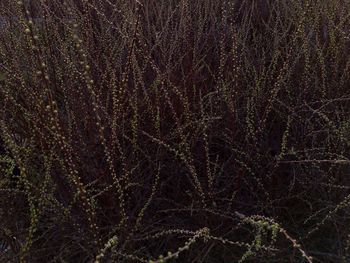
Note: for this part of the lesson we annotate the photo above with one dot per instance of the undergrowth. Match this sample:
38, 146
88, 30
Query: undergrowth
174, 131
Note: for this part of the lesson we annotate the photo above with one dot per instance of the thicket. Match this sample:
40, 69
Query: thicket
175, 131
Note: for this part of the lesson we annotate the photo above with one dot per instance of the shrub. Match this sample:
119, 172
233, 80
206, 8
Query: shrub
184, 131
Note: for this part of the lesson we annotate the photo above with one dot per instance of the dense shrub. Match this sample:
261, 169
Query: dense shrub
174, 130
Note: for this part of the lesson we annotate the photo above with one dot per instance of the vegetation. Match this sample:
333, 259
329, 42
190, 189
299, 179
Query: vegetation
175, 131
